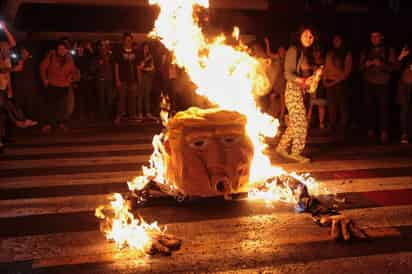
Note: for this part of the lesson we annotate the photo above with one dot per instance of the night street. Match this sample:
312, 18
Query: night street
50, 187
205, 136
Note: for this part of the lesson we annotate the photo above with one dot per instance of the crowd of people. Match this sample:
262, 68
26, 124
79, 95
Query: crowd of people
87, 80
384, 74
81, 81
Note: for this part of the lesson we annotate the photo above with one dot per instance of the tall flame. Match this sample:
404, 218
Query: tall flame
227, 75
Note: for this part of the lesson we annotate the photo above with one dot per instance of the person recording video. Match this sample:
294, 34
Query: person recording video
7, 107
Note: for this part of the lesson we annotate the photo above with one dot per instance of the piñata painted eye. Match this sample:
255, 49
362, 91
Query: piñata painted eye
229, 140
198, 143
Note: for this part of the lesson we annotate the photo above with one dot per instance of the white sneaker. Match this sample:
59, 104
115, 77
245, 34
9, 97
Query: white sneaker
294, 157
299, 158
282, 152
30, 123
404, 139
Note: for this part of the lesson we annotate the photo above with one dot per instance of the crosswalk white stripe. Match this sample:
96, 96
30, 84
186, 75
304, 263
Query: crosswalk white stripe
220, 234
66, 204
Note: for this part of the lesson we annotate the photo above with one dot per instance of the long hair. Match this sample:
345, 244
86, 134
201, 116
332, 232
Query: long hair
306, 51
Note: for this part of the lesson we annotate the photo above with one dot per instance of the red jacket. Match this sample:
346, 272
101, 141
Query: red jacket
58, 72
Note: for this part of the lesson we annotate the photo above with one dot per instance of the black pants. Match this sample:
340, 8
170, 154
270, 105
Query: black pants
377, 105
105, 98
9, 113
337, 98
3, 114
405, 101
86, 99
54, 105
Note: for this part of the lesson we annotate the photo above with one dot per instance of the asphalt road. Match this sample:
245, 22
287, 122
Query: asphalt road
50, 186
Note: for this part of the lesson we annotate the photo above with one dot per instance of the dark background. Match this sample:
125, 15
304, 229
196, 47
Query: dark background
282, 18
354, 19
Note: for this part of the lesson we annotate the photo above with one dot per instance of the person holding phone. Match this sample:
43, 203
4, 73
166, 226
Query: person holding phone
377, 63
6, 92
338, 67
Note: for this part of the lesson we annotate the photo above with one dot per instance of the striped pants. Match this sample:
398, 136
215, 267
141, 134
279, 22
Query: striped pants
297, 129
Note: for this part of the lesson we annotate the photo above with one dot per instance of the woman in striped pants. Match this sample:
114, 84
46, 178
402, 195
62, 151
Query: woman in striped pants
299, 69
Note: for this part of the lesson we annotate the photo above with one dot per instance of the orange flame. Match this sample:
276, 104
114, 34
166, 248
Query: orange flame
120, 225
229, 77
226, 75
236, 33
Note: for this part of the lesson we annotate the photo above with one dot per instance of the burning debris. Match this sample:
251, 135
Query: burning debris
125, 230
291, 189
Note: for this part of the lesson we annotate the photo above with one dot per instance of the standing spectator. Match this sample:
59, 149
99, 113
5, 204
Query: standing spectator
126, 78
85, 94
377, 62
299, 64
5, 85
337, 70
277, 96
103, 69
57, 71
146, 74
404, 96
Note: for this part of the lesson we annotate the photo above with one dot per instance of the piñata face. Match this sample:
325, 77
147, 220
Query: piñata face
208, 152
